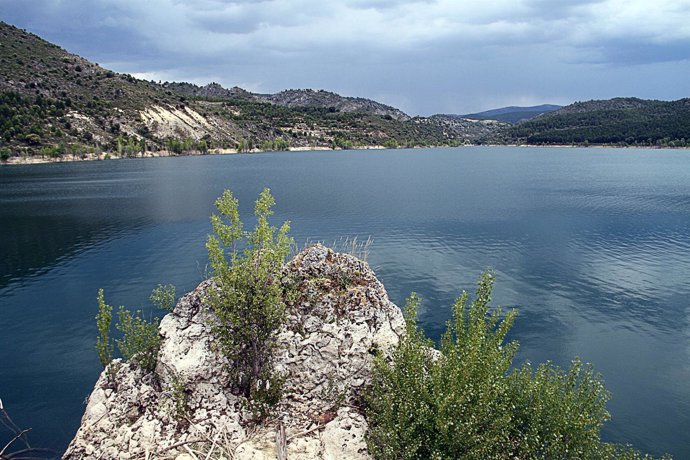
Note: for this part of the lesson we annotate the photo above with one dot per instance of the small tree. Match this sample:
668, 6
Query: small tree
249, 296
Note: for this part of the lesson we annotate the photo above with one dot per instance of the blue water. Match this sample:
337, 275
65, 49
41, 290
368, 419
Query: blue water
592, 246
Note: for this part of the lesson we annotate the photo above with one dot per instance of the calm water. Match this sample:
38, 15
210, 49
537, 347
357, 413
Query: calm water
592, 245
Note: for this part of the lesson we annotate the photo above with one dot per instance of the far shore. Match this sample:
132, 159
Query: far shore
104, 156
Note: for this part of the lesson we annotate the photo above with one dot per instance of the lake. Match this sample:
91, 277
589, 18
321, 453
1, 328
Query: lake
591, 245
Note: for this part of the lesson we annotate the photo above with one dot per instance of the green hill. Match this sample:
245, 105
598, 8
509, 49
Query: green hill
512, 114
620, 121
51, 98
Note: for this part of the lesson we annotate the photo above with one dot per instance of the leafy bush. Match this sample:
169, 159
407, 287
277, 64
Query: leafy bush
163, 296
104, 347
180, 398
140, 340
464, 402
274, 145
5, 154
249, 299
557, 414
32, 139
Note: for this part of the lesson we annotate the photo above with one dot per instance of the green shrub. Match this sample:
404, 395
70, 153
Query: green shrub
140, 339
104, 318
557, 414
249, 299
179, 398
401, 410
163, 296
32, 139
5, 154
391, 144
464, 402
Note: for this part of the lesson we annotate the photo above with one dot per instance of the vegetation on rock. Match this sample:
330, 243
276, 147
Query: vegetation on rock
163, 296
104, 346
249, 297
465, 402
140, 340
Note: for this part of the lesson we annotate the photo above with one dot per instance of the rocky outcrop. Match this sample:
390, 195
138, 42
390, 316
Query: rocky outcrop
211, 90
330, 100
455, 127
293, 98
182, 122
340, 318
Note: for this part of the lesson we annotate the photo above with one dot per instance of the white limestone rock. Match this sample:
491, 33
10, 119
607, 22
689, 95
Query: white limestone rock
341, 317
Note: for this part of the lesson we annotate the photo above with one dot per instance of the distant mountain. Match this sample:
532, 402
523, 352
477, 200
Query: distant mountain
54, 103
295, 98
329, 100
512, 114
619, 121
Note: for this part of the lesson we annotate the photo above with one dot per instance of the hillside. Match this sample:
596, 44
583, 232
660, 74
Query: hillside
294, 98
210, 91
474, 131
619, 121
54, 103
332, 101
512, 114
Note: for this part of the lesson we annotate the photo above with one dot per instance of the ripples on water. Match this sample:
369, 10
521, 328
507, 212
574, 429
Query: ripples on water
592, 246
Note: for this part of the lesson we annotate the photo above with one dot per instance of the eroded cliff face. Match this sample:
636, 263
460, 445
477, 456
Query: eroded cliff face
326, 348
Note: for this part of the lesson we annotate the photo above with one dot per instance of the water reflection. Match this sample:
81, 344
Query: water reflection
592, 246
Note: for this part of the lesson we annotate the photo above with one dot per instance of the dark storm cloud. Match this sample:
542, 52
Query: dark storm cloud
425, 56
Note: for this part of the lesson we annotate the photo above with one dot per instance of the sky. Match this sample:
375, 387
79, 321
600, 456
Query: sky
422, 56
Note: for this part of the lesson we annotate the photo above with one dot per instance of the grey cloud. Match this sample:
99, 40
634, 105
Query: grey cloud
626, 53
426, 56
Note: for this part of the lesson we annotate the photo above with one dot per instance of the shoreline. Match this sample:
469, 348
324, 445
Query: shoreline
105, 156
